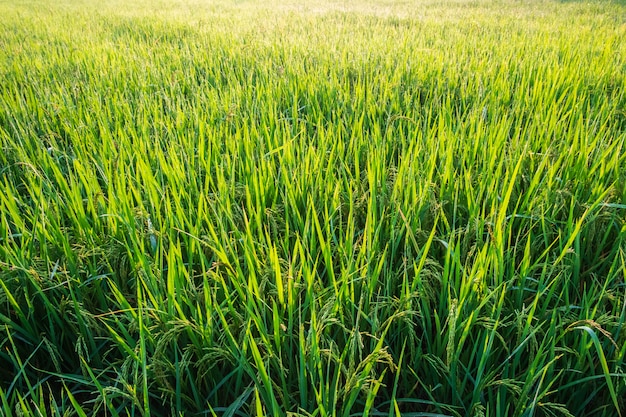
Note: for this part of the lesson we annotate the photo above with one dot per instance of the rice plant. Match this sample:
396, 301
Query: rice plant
370, 208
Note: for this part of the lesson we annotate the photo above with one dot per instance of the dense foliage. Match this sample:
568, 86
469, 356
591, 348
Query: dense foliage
339, 208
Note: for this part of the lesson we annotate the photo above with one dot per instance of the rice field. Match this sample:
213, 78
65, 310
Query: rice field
333, 208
